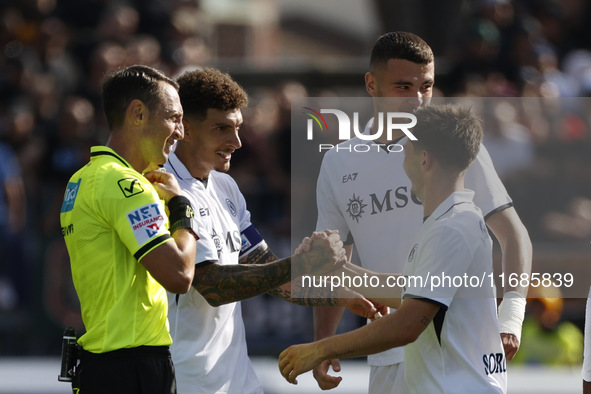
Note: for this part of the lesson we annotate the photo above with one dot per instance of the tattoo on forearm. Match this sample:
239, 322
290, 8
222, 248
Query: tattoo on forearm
260, 255
306, 296
303, 296
222, 284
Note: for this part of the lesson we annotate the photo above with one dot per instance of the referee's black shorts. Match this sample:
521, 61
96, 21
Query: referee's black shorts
141, 370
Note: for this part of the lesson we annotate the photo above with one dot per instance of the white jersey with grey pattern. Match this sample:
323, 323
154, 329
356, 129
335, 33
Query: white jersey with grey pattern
209, 347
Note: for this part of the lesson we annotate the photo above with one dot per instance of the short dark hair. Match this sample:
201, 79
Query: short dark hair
400, 45
121, 87
209, 88
451, 133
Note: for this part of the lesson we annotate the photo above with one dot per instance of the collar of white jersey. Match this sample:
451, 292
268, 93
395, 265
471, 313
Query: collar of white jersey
178, 167
452, 200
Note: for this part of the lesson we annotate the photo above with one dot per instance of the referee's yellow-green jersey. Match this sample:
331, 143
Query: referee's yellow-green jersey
111, 217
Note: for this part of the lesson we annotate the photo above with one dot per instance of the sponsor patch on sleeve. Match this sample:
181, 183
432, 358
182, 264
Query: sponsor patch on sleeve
130, 187
147, 222
250, 239
70, 196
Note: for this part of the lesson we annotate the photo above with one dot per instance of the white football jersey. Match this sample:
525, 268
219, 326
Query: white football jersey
450, 264
209, 346
365, 194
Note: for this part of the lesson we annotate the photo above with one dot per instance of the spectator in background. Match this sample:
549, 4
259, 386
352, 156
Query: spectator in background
509, 142
12, 223
546, 339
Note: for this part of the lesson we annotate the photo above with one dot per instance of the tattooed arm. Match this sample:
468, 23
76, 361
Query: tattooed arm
320, 296
396, 329
222, 284
260, 271
293, 291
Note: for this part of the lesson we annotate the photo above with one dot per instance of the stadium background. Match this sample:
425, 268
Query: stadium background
54, 53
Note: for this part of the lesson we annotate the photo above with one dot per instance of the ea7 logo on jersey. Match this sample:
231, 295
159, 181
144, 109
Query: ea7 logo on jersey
349, 177
147, 222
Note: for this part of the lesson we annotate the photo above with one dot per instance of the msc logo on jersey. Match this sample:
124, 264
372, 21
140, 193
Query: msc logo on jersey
217, 241
130, 187
388, 201
232, 241
355, 208
70, 196
147, 222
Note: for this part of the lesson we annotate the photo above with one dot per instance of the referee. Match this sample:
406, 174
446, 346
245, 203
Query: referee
125, 251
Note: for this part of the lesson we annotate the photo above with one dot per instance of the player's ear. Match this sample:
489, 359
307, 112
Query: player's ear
426, 159
187, 127
370, 84
137, 111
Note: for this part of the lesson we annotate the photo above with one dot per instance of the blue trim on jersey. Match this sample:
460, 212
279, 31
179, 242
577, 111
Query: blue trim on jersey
250, 238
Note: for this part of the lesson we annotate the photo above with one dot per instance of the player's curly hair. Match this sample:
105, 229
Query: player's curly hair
200, 90
400, 45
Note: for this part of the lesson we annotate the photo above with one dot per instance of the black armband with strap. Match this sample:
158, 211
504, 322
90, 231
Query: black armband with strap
181, 214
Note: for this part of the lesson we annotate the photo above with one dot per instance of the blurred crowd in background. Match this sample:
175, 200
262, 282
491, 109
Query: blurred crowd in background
55, 53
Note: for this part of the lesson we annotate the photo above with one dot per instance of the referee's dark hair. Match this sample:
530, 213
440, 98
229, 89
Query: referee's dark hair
123, 86
451, 133
209, 88
400, 45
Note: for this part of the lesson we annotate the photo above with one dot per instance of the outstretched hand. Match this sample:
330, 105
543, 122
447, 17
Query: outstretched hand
298, 359
356, 303
324, 380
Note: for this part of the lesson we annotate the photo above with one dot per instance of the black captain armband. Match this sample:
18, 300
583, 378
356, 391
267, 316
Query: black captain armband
181, 214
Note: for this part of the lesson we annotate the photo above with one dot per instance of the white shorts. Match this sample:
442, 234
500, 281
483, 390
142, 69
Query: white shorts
387, 380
